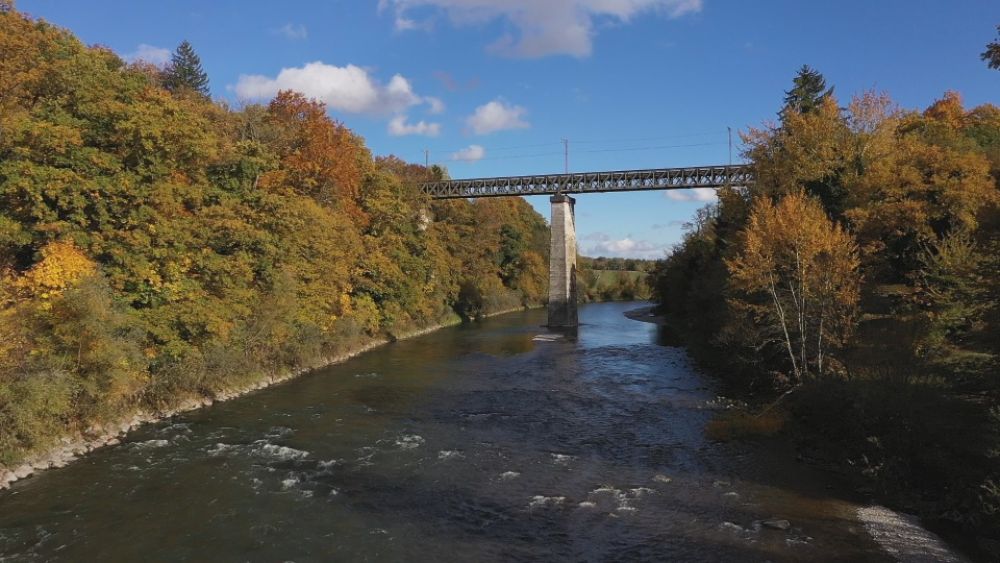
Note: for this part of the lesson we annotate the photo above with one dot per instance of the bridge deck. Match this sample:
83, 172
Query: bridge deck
593, 182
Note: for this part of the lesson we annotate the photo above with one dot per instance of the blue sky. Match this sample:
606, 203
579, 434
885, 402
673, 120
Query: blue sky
490, 87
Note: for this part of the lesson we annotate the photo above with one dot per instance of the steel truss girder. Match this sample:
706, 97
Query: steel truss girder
594, 182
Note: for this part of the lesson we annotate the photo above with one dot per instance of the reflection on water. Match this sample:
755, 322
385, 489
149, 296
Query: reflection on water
476, 443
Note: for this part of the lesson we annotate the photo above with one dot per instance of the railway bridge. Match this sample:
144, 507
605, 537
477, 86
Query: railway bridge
562, 307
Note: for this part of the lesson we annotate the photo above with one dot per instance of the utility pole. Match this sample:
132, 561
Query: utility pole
566, 155
427, 158
730, 130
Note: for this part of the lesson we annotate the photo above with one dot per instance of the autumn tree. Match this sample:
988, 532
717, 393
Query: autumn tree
184, 72
806, 268
156, 246
319, 158
924, 183
992, 53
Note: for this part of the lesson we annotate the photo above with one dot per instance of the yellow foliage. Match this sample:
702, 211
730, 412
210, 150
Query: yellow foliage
806, 268
10, 333
62, 265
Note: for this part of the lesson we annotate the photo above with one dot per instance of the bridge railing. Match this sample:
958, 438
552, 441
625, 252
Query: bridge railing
594, 182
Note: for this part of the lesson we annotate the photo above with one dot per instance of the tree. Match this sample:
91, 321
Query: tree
992, 53
798, 274
807, 94
184, 71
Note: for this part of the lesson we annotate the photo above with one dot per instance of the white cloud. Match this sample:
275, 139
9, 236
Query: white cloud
399, 127
497, 116
544, 27
471, 153
350, 88
434, 105
626, 248
293, 31
149, 54
405, 24
693, 194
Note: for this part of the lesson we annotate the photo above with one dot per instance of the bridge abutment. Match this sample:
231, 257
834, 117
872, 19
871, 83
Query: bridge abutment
562, 264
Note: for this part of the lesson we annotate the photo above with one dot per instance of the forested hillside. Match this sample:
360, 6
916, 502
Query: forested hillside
862, 274
156, 245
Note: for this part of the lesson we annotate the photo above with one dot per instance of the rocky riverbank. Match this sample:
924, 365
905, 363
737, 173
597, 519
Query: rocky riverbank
71, 447
901, 535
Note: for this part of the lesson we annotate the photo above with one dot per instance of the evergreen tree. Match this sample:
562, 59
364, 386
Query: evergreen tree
808, 92
184, 71
992, 53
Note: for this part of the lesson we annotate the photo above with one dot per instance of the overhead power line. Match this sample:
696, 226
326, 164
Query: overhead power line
658, 147
588, 142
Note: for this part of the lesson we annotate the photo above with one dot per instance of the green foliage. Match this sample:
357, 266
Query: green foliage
612, 285
617, 263
807, 94
992, 53
184, 72
157, 247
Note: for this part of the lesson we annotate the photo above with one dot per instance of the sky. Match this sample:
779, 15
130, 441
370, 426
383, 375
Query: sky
492, 87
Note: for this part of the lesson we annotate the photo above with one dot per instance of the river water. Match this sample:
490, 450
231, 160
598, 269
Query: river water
486, 442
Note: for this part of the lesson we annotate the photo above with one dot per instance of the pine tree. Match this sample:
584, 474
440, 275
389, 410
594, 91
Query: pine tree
992, 53
184, 71
807, 94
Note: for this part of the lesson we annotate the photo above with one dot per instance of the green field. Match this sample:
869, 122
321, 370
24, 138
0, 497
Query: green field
612, 285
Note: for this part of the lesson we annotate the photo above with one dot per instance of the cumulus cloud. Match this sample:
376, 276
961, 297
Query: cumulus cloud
399, 127
293, 31
349, 89
497, 116
149, 54
543, 27
471, 153
626, 248
693, 194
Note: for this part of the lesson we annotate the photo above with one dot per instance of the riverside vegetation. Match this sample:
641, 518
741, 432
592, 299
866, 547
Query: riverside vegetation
614, 279
157, 247
860, 278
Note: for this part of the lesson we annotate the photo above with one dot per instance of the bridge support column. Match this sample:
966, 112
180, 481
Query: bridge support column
562, 264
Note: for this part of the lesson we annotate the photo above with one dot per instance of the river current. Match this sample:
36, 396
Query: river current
484, 442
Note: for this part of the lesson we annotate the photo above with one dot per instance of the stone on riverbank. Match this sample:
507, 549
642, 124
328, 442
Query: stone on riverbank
777, 524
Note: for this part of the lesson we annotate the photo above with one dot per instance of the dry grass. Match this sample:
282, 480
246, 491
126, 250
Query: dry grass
733, 425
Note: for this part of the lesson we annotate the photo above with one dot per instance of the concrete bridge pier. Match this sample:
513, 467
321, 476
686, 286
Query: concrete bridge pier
562, 264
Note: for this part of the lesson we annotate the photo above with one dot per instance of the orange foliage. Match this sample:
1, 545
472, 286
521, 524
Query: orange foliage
320, 158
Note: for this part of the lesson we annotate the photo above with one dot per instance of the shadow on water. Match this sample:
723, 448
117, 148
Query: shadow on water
490, 442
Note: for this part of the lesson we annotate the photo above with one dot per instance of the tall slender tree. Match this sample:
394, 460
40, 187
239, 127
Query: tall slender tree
807, 93
992, 53
797, 275
184, 71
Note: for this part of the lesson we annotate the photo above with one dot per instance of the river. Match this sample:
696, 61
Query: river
483, 442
